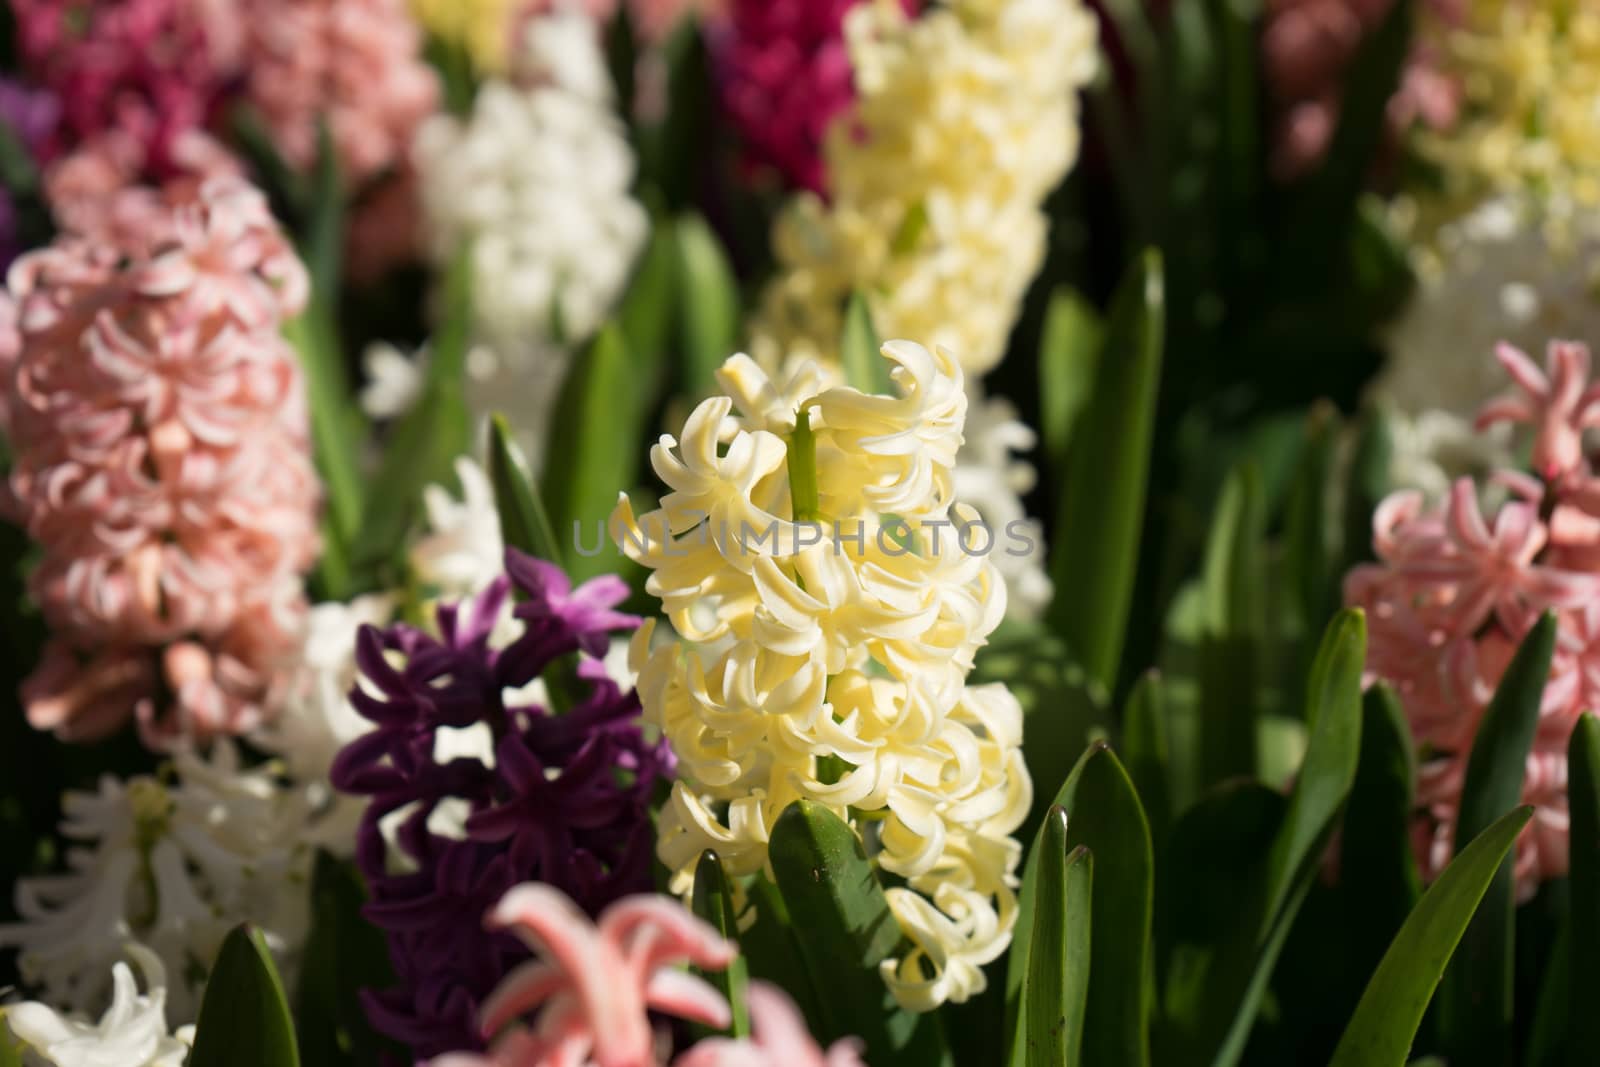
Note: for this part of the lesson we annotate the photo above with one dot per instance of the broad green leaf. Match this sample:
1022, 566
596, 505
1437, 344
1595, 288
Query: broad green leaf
524, 523
1146, 749
1101, 512
646, 315
1552, 1040
599, 452
709, 309
1333, 748
673, 149
244, 1016
1583, 799
1381, 1031
1309, 561
344, 954
1069, 354
1366, 486
1378, 879
1104, 814
1055, 989
425, 444
864, 366
771, 947
1234, 583
1477, 1003
845, 930
712, 902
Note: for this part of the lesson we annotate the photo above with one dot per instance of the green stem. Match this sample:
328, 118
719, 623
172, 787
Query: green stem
803, 496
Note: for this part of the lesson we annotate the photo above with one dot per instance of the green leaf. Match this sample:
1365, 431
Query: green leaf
599, 449
1146, 748
1477, 1005
1230, 969
1366, 486
712, 902
771, 946
344, 954
1103, 814
1234, 583
1069, 355
424, 446
1055, 990
524, 523
1583, 798
709, 321
845, 930
10, 1047
1308, 556
646, 315
1101, 512
244, 1016
1385, 1022
864, 366
1378, 879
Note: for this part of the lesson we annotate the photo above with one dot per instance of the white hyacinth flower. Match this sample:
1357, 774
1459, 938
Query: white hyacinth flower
991, 478
132, 1032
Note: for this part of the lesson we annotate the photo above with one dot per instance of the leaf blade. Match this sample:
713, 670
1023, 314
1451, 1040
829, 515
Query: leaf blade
1055, 991
244, 1015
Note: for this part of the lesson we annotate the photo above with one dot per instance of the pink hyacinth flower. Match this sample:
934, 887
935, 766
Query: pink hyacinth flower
1558, 402
356, 64
162, 462
594, 983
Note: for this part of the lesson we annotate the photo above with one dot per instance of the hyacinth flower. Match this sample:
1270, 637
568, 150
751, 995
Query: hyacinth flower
355, 64
827, 612
162, 463
1307, 49
1454, 592
965, 119
592, 984
476, 783
784, 74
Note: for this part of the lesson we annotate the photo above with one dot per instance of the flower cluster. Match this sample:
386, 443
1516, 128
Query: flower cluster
479, 779
784, 76
149, 71
173, 862
132, 1032
537, 180
827, 629
480, 28
161, 462
1308, 46
966, 118
594, 982
1453, 594
354, 64
1529, 73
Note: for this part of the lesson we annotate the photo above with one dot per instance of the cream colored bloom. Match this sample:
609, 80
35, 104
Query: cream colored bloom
825, 637
991, 478
173, 863
1529, 71
132, 1032
966, 119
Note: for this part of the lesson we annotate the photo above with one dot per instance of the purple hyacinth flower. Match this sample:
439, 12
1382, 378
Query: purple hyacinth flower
558, 798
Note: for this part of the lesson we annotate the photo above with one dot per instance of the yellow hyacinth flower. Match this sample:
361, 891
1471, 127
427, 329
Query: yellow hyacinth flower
828, 596
965, 119
481, 28
1529, 75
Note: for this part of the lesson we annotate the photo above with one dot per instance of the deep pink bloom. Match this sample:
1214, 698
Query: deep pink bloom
1452, 595
785, 75
1308, 47
161, 460
152, 70
594, 983
356, 63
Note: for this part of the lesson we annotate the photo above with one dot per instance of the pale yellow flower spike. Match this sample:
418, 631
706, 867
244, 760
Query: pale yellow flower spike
966, 118
827, 659
482, 28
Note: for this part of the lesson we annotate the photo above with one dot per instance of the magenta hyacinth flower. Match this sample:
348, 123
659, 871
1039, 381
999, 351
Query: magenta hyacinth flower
785, 75
161, 459
151, 70
553, 795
